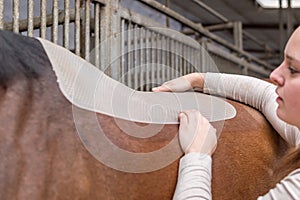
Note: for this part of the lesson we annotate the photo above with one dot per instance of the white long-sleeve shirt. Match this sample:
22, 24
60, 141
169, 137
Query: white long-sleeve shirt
194, 175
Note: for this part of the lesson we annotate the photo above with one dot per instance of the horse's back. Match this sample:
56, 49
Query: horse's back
43, 157
244, 160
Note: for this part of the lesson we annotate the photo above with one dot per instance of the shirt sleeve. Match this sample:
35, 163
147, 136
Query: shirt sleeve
194, 177
254, 92
287, 189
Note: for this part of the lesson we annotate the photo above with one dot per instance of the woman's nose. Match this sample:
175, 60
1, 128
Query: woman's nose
277, 76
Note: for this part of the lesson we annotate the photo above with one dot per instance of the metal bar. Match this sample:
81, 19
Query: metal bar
174, 59
105, 21
175, 65
190, 63
147, 59
37, 24
163, 58
199, 28
289, 18
185, 60
229, 25
137, 18
255, 40
113, 29
77, 27
168, 41
30, 18
167, 18
239, 61
1, 14
171, 64
43, 19
30, 11
245, 70
189, 60
142, 50
180, 49
123, 73
150, 24
97, 34
152, 56
178, 55
87, 31
135, 48
203, 57
16, 16
196, 58
158, 59
212, 11
55, 22
238, 34
129, 54
195, 66
281, 30
66, 24
217, 27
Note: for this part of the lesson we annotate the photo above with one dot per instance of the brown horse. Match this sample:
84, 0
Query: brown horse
42, 156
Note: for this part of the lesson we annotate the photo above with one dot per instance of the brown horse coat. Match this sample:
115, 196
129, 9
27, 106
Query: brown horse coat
42, 156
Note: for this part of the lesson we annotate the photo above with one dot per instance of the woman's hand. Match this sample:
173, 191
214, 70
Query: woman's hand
181, 84
196, 134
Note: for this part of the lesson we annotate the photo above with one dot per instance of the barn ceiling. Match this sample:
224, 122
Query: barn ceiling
261, 23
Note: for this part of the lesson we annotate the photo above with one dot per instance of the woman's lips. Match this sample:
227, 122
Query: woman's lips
279, 99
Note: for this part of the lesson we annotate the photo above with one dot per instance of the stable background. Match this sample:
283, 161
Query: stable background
245, 37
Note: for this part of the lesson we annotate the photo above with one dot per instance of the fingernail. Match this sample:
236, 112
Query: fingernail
181, 115
154, 89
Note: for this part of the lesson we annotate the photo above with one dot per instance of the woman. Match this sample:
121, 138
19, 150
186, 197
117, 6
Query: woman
280, 105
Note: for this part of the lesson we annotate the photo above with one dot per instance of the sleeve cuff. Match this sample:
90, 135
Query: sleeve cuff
199, 159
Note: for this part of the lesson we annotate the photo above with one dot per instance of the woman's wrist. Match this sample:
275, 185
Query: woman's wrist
192, 150
197, 80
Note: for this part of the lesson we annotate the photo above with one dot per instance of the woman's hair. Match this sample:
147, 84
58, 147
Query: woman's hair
289, 162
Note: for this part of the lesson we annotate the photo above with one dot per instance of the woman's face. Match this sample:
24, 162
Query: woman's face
287, 78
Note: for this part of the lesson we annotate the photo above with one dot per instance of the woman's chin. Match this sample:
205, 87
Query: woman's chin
280, 115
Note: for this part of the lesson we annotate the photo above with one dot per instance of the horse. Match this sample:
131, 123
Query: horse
43, 157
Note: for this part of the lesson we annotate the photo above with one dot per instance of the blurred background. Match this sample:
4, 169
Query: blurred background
144, 42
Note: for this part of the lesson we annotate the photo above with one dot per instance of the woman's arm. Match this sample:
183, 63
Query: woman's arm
194, 177
287, 189
254, 92
198, 141
249, 90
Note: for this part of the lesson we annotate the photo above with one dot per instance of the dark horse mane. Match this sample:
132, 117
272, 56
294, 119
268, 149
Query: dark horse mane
22, 58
